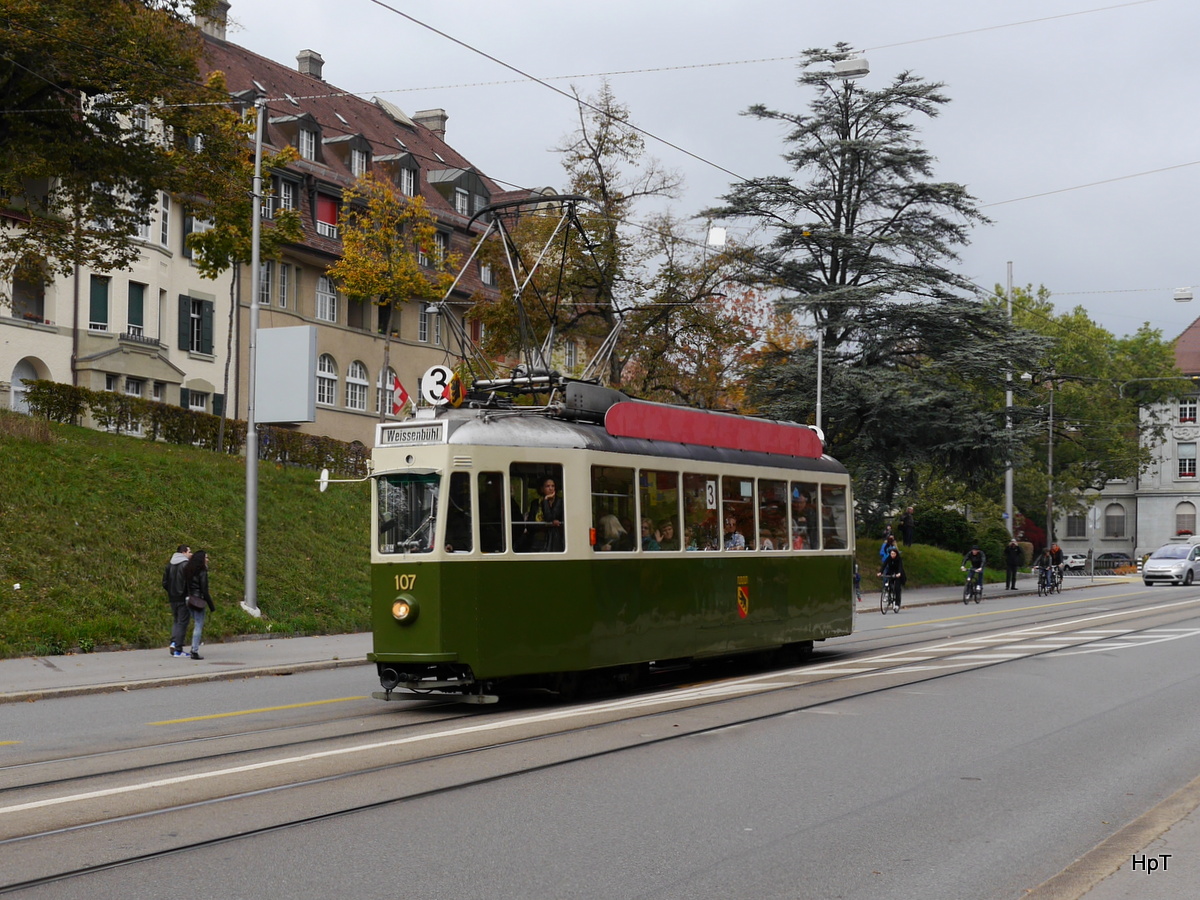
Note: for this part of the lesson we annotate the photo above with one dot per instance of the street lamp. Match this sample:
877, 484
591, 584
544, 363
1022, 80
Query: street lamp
1189, 378
1049, 457
849, 69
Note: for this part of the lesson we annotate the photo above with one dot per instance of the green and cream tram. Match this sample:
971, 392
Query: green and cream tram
528, 547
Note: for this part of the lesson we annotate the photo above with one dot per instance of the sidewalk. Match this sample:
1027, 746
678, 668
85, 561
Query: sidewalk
45, 677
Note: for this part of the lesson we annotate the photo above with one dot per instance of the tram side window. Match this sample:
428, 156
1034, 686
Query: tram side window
659, 495
458, 514
612, 508
833, 516
737, 506
700, 526
806, 535
491, 512
538, 507
407, 504
772, 515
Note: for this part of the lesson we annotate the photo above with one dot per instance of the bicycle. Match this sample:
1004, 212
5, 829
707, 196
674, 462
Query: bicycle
1058, 578
973, 589
887, 596
1046, 582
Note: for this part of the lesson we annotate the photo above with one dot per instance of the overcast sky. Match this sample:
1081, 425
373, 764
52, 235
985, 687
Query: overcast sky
1048, 96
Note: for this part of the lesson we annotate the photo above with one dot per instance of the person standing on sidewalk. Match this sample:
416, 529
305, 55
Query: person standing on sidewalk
176, 587
196, 573
1013, 557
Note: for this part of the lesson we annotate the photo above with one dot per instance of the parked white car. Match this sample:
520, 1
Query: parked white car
1075, 562
1173, 564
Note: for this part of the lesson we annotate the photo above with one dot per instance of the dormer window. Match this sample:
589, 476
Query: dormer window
402, 169
463, 189
302, 131
358, 163
307, 144
353, 150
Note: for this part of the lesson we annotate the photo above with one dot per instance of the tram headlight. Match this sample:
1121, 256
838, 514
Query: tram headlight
404, 609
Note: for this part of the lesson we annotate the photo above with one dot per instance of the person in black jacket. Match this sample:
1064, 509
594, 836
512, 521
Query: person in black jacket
548, 510
974, 561
196, 574
1013, 557
893, 568
176, 587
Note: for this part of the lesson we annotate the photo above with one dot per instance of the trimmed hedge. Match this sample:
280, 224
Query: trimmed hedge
121, 414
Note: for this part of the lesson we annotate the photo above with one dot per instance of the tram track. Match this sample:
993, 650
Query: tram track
549, 739
172, 746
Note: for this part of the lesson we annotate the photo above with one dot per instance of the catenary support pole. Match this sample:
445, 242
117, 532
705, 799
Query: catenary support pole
250, 600
1008, 402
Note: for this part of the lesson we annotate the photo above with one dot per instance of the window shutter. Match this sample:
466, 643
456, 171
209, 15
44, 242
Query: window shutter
185, 323
184, 397
327, 210
137, 297
206, 326
99, 298
218, 402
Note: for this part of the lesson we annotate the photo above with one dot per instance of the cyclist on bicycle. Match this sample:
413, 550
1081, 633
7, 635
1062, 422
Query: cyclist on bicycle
1045, 567
975, 561
893, 571
1057, 560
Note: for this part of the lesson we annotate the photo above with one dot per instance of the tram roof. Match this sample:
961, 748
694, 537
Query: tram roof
541, 429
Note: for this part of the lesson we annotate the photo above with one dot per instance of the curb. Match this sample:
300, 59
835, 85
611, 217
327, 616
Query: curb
198, 678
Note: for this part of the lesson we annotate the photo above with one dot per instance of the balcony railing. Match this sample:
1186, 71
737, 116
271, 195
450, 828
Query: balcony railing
132, 338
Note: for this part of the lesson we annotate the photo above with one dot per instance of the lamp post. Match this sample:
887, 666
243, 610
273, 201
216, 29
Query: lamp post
1193, 379
849, 69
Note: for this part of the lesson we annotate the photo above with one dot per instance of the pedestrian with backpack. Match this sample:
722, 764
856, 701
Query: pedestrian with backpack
195, 573
175, 585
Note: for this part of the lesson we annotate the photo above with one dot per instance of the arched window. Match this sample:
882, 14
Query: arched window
326, 380
22, 372
356, 386
1114, 521
1185, 518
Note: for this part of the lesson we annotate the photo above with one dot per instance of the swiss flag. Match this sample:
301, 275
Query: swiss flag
399, 396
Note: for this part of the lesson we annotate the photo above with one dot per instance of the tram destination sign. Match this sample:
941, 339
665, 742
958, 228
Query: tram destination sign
409, 435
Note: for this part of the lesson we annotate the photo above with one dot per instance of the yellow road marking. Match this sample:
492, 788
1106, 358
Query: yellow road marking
8, 743
250, 712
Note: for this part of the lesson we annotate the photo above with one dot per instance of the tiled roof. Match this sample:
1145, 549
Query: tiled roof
1187, 349
291, 94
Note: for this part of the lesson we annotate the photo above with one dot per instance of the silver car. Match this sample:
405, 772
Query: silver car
1173, 564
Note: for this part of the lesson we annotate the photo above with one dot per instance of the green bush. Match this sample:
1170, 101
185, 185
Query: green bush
67, 404
992, 540
945, 528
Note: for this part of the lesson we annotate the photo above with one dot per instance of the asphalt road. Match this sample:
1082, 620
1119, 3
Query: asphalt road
950, 751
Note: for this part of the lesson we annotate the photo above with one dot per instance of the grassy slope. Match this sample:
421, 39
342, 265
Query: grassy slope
925, 566
88, 521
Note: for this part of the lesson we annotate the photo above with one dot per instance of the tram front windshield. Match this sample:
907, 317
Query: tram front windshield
407, 504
